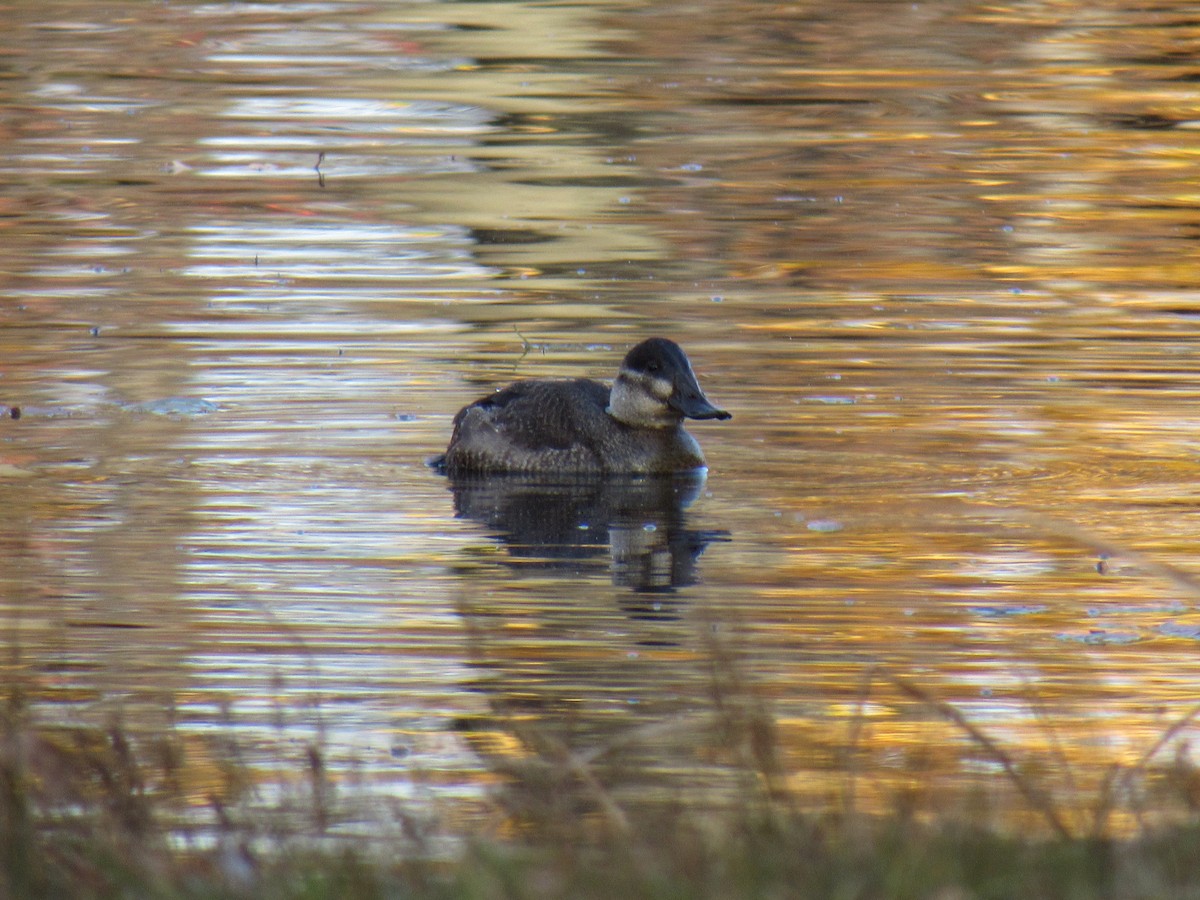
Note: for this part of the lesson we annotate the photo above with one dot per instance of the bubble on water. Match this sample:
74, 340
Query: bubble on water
825, 525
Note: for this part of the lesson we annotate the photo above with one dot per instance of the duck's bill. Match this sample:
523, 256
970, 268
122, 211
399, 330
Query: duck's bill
698, 407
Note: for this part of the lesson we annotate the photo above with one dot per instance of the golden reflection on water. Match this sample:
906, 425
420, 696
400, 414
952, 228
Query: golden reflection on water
938, 259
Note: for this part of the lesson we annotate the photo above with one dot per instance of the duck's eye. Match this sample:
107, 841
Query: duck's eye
653, 366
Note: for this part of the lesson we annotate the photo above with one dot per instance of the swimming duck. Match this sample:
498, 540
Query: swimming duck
580, 426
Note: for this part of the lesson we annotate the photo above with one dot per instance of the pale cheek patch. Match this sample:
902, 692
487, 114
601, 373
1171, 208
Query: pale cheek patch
659, 388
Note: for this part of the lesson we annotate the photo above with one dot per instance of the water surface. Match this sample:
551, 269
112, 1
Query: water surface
938, 258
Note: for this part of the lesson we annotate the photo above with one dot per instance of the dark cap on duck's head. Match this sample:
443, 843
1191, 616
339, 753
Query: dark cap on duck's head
656, 387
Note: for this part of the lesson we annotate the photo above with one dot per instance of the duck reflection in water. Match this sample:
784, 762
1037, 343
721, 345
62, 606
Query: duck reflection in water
551, 523
564, 468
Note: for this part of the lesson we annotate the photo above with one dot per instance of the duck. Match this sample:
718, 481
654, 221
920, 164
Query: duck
584, 427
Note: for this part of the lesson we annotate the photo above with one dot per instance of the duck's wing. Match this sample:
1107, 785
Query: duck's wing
532, 426
548, 415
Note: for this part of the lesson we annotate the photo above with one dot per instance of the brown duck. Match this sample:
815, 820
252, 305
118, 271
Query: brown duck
580, 426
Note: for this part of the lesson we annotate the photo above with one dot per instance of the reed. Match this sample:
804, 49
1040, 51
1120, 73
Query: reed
94, 814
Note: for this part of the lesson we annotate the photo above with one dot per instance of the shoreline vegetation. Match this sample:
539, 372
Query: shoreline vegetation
105, 813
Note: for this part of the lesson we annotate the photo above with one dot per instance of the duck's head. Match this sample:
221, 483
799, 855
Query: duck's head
656, 388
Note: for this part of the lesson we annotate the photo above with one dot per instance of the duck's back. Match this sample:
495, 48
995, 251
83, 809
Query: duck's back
559, 427
531, 426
